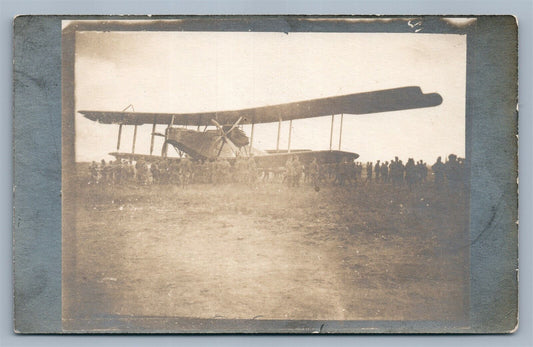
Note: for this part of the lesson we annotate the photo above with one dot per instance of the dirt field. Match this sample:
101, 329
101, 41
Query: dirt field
269, 252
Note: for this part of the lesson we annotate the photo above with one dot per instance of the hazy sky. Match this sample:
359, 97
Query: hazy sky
206, 71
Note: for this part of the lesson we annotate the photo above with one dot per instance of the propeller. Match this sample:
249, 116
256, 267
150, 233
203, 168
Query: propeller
224, 135
164, 149
165, 144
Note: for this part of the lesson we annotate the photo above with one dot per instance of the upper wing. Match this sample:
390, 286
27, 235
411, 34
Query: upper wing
360, 103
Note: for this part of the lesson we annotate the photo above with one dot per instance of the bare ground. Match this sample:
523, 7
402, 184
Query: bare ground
269, 252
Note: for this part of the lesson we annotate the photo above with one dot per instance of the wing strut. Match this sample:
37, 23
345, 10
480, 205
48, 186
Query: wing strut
290, 130
331, 132
134, 139
251, 138
119, 135
340, 131
152, 139
164, 149
279, 129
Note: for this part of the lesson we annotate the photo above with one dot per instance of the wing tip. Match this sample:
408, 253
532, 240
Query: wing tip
429, 99
435, 99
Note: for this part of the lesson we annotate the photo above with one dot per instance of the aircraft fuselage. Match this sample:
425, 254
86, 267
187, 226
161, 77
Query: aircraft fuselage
206, 145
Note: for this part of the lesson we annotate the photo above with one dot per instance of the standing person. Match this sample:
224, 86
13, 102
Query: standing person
289, 171
154, 168
393, 171
215, 171
210, 171
377, 171
307, 174
462, 172
108, 173
142, 171
419, 172
453, 172
240, 169
359, 170
424, 171
184, 170
438, 172
123, 172
146, 173
93, 170
252, 170
225, 168
115, 171
103, 172
385, 172
314, 172
355, 172
396, 172
410, 173
369, 171
138, 171
401, 172
339, 173
173, 172
162, 167
298, 171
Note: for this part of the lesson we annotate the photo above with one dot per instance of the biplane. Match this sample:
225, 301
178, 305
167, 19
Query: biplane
222, 135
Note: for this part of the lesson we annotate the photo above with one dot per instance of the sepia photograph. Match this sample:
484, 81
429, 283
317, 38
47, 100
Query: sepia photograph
265, 180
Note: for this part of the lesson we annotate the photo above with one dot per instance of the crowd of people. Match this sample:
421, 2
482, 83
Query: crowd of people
397, 173
182, 172
294, 173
